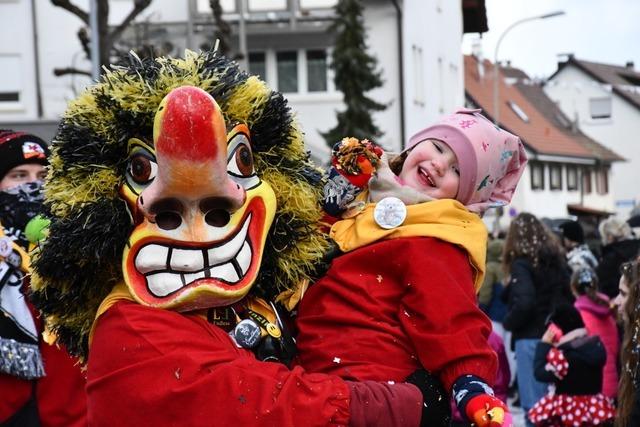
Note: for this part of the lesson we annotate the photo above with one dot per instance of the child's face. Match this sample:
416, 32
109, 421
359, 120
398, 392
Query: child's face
621, 299
432, 168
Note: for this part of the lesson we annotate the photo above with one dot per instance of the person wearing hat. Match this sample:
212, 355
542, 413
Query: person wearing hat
403, 294
40, 384
619, 245
579, 256
572, 360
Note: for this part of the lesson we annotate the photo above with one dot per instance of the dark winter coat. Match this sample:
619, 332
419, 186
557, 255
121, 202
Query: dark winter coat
586, 357
613, 255
532, 294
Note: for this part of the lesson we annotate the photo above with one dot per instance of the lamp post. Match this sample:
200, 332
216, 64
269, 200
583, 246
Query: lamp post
496, 64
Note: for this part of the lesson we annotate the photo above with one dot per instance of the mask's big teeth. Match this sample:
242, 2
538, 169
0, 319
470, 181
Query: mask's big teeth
188, 278
168, 269
151, 258
186, 260
244, 258
225, 272
162, 284
220, 254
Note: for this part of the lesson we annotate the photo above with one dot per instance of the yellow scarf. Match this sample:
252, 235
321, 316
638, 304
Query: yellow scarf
444, 219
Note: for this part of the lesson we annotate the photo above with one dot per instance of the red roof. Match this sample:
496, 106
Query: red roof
538, 133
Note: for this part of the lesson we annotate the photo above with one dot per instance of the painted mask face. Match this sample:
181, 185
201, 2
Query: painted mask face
200, 212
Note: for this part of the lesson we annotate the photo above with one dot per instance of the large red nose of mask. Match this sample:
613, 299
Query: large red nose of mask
190, 140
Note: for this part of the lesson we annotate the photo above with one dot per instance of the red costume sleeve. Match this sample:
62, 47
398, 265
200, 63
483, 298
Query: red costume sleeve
156, 367
440, 314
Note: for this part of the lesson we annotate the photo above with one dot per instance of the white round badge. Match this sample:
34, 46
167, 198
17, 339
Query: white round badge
6, 246
390, 212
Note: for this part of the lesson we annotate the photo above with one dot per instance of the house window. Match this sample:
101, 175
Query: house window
203, 6
519, 111
299, 71
600, 108
602, 181
317, 70
267, 5
537, 176
312, 4
555, 176
257, 64
11, 81
586, 181
572, 177
287, 65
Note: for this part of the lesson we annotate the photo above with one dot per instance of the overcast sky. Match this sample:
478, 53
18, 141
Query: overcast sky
606, 31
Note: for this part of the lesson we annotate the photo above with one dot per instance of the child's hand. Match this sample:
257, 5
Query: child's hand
353, 163
548, 336
552, 334
475, 400
485, 410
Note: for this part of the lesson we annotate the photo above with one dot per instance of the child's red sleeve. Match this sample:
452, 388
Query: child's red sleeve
440, 314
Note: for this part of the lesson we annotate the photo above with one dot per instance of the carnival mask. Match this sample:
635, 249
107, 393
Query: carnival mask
201, 213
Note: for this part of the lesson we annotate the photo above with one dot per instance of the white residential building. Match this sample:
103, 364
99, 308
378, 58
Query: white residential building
604, 101
417, 44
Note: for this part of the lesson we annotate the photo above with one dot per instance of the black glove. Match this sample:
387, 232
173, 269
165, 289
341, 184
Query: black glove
436, 410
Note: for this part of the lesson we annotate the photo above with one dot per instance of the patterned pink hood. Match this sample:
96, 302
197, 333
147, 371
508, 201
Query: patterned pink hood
491, 159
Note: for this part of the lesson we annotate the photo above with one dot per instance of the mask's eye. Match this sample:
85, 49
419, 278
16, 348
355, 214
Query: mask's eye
142, 169
240, 162
243, 161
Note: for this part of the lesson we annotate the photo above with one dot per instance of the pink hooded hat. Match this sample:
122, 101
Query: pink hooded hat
491, 160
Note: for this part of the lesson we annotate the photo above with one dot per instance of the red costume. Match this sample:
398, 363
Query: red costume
379, 314
182, 204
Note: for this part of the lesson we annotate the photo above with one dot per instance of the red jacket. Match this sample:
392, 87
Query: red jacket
388, 308
157, 367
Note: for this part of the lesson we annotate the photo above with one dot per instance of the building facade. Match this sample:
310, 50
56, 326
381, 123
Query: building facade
417, 44
604, 102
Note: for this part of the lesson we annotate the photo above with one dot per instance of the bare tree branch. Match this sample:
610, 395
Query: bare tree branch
69, 70
138, 7
83, 36
67, 5
223, 29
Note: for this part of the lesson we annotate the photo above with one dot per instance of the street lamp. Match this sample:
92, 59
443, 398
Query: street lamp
496, 64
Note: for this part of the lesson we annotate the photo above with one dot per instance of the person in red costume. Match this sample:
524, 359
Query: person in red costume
40, 384
182, 204
403, 295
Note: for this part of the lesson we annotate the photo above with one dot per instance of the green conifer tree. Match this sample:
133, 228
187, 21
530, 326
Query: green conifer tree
355, 74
